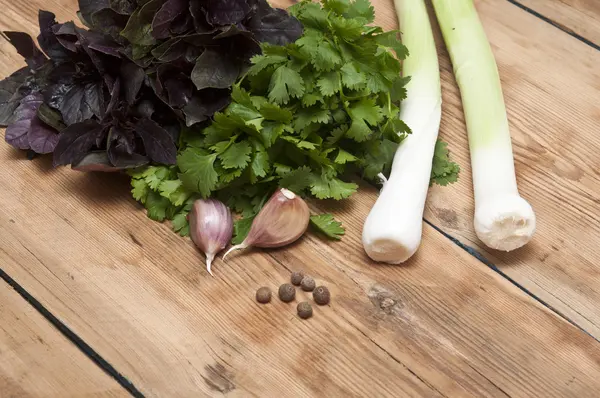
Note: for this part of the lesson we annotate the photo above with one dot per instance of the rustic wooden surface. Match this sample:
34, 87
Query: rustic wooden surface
138, 294
578, 16
35, 359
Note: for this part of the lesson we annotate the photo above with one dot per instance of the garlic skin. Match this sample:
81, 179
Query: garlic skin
211, 227
281, 221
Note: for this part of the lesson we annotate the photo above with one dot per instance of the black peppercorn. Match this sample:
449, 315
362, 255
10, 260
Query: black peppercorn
263, 295
308, 284
297, 278
321, 295
287, 292
305, 310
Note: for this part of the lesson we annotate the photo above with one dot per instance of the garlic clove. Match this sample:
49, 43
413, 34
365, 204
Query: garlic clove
281, 221
211, 227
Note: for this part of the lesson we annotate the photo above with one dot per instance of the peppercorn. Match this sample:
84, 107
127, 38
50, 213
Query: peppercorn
287, 292
263, 295
297, 277
308, 284
321, 295
305, 310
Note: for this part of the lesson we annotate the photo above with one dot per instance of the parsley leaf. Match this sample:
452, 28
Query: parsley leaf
241, 228
330, 83
443, 171
326, 224
351, 77
237, 156
363, 112
157, 206
285, 82
197, 171
326, 188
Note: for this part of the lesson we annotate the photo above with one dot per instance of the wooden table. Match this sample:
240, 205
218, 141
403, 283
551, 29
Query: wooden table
97, 300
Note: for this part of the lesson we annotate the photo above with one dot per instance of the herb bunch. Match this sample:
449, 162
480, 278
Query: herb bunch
306, 116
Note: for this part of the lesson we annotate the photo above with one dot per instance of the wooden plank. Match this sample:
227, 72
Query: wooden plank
551, 84
36, 360
138, 294
578, 16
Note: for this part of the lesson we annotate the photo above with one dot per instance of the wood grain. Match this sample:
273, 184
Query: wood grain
442, 325
579, 16
551, 85
37, 361
139, 295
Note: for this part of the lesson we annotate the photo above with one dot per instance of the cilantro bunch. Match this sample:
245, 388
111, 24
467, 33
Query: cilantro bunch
307, 116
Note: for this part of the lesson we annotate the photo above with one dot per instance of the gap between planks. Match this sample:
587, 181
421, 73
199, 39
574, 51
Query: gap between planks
555, 24
85, 348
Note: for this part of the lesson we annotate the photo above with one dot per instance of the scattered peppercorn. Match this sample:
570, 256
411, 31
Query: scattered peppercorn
305, 310
321, 295
308, 284
263, 295
297, 277
287, 292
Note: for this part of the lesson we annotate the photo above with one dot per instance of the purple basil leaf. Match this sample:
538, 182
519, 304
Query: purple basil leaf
17, 132
182, 24
199, 17
159, 144
50, 117
67, 28
215, 70
75, 141
110, 23
145, 109
204, 104
107, 49
124, 137
42, 138
114, 96
158, 88
83, 36
47, 38
89, 7
202, 39
66, 43
62, 74
125, 7
170, 10
78, 103
132, 77
127, 51
99, 42
11, 93
226, 12
233, 30
179, 89
121, 151
274, 25
192, 53
139, 26
27, 49
93, 161
123, 160
170, 50
94, 99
